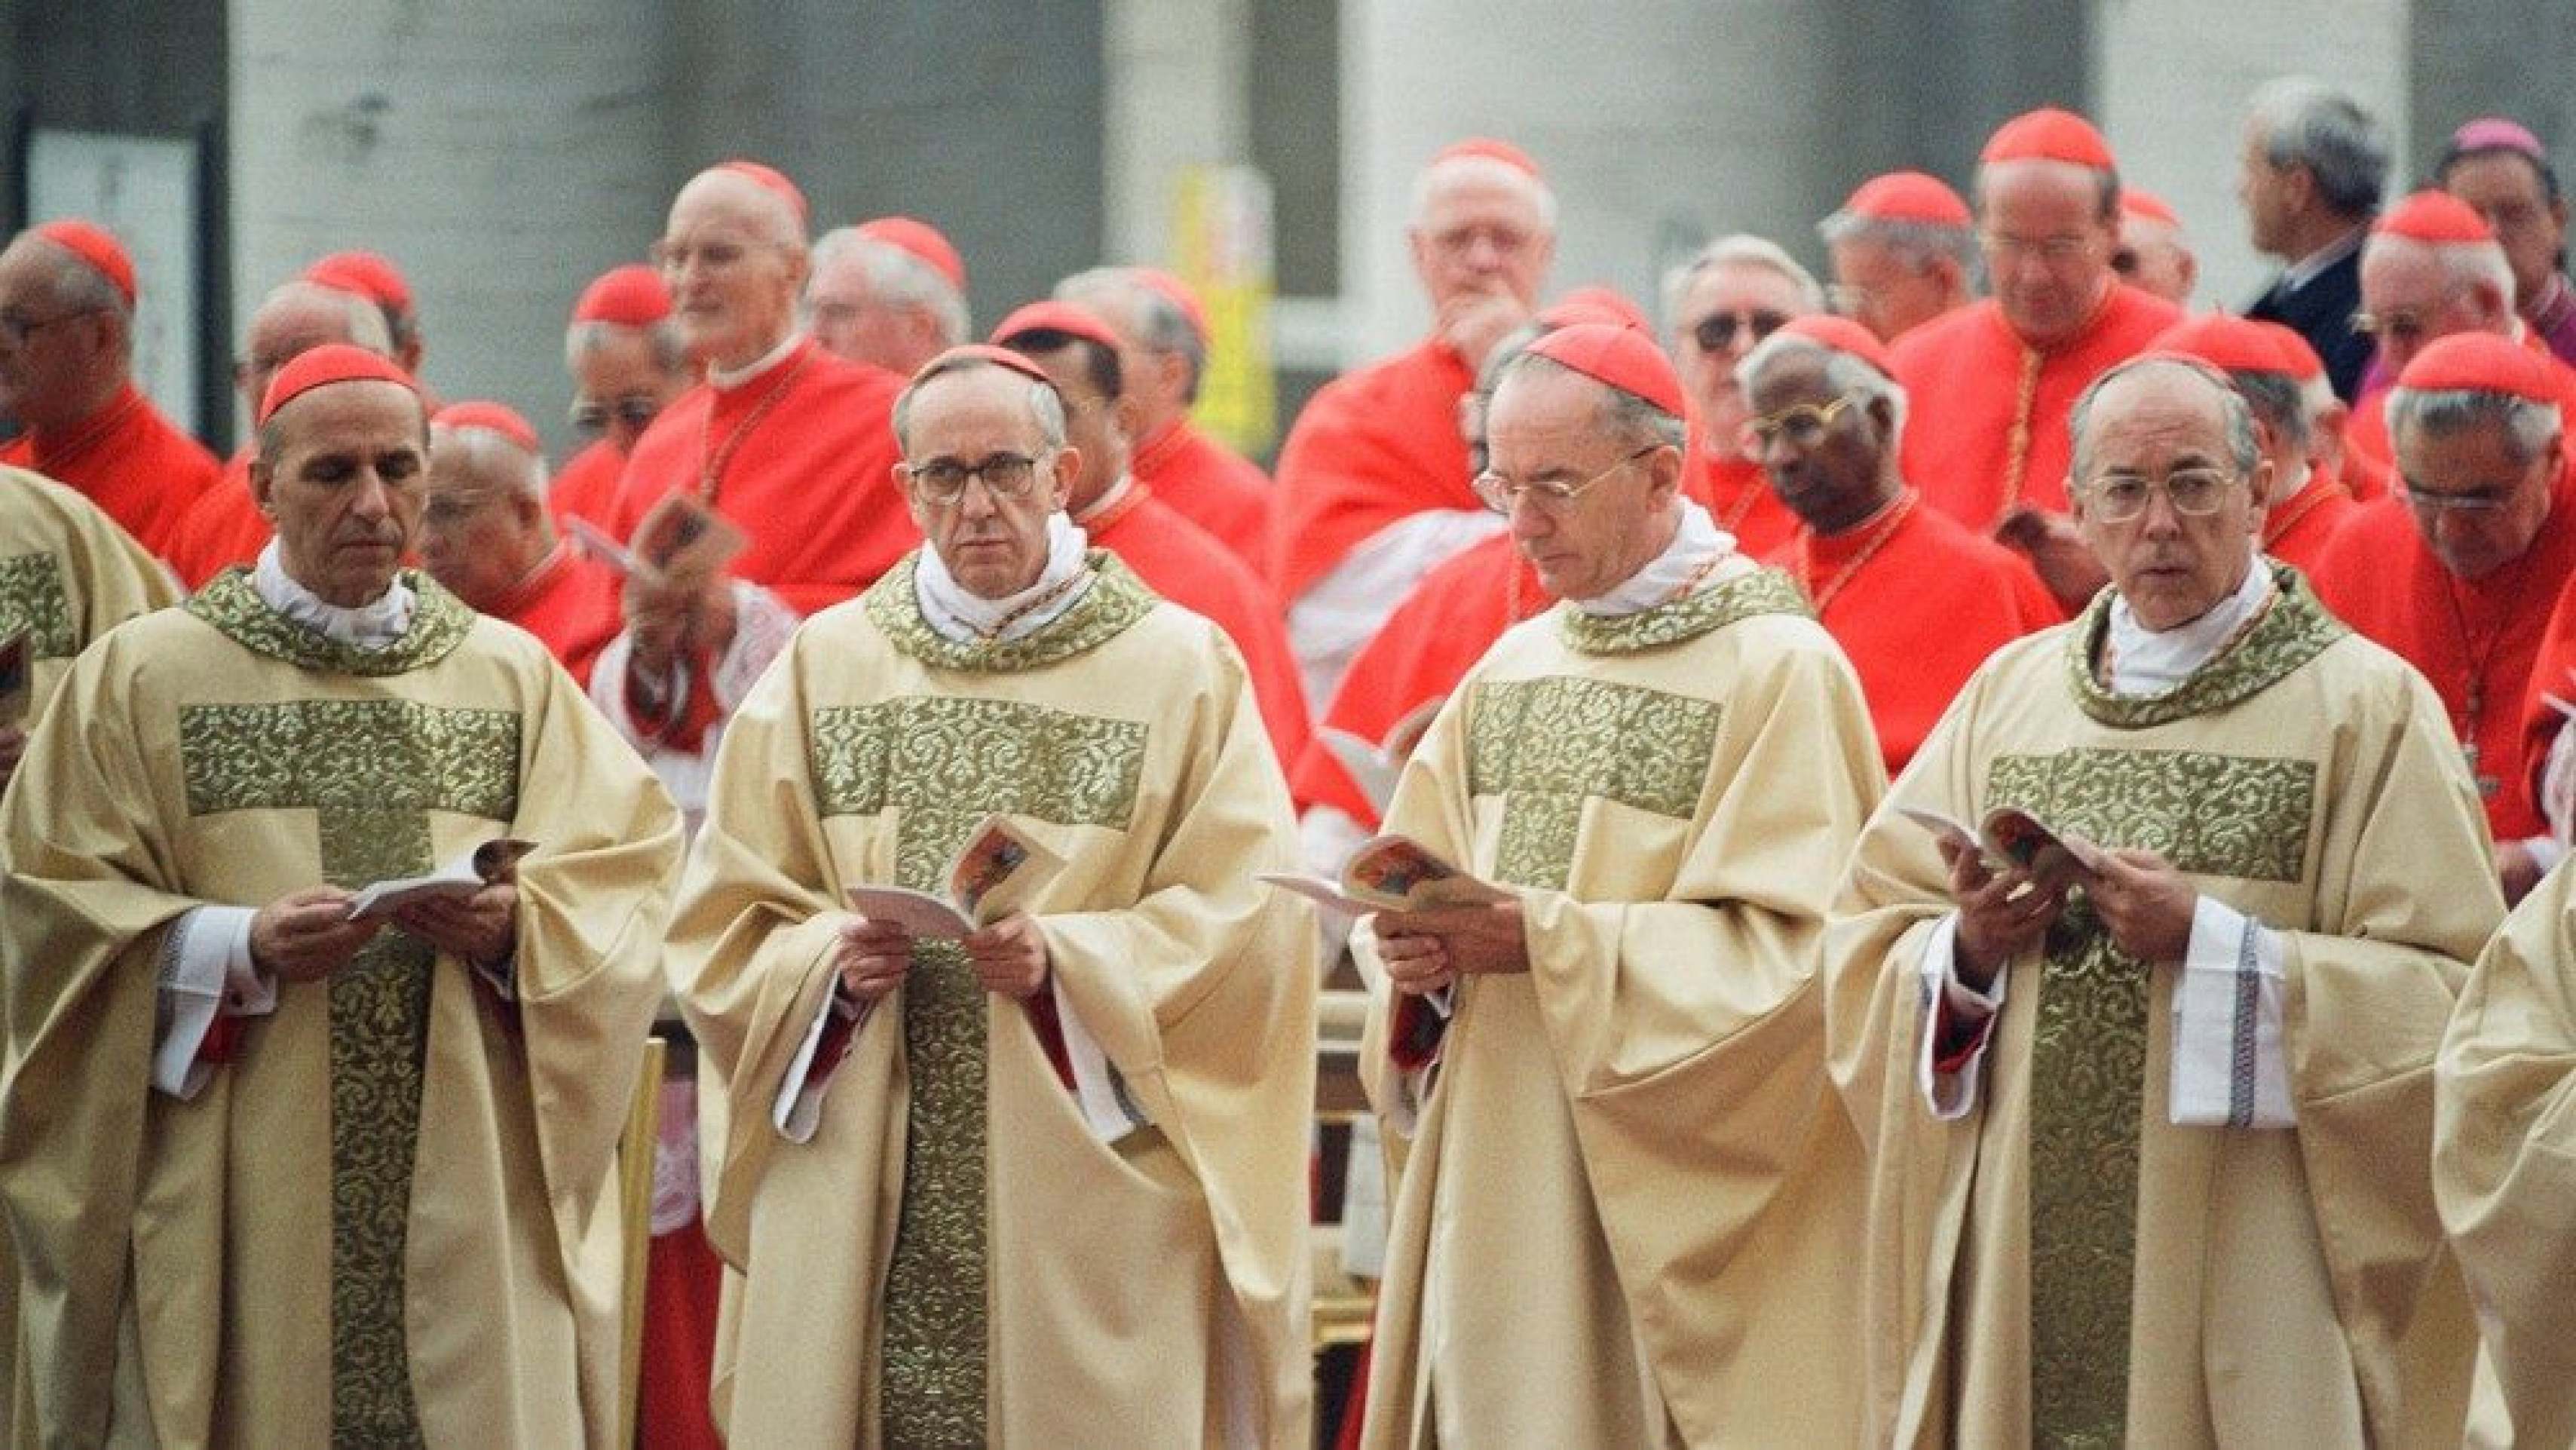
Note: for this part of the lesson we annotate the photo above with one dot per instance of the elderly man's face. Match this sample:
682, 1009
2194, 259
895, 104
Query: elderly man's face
994, 542
1875, 288
2411, 300
1827, 470
2507, 191
479, 533
1725, 312
1481, 234
2476, 506
344, 488
1546, 427
2154, 427
849, 319
1096, 426
2266, 192
732, 269
49, 351
620, 385
2151, 256
2048, 246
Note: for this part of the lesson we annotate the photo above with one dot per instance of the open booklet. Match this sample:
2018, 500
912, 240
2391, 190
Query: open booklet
1390, 873
1375, 767
492, 861
2012, 836
17, 675
999, 870
678, 536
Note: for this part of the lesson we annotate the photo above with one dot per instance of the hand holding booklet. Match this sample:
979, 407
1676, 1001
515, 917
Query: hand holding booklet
2011, 836
680, 537
998, 871
1390, 873
494, 860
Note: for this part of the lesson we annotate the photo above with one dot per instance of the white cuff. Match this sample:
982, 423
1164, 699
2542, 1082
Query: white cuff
1950, 1095
799, 1106
762, 624
2545, 851
1108, 1109
2229, 1070
206, 972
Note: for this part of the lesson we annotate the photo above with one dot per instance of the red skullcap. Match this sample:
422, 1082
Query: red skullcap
1843, 335
2049, 134
630, 296
1180, 294
2433, 216
769, 178
2296, 353
2481, 362
94, 245
1491, 150
919, 239
365, 273
1621, 357
1596, 304
320, 367
1052, 316
984, 352
491, 417
1908, 196
2141, 203
2231, 344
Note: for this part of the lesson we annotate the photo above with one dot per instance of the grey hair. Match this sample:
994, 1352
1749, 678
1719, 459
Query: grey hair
1623, 414
2528, 426
1915, 245
1156, 322
362, 321
2463, 263
2307, 123
670, 350
1046, 405
897, 278
1740, 249
2280, 403
2244, 445
1489, 168
1844, 373
490, 455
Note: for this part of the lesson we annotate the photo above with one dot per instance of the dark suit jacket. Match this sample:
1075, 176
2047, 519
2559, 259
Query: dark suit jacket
2322, 313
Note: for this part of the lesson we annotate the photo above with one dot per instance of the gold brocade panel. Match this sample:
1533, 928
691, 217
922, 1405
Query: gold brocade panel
1548, 744
32, 598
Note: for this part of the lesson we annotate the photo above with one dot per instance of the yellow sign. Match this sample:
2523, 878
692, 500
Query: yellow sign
1221, 247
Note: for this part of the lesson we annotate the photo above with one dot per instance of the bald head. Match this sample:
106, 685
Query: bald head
295, 319
483, 516
734, 258
73, 348
760, 211
1481, 226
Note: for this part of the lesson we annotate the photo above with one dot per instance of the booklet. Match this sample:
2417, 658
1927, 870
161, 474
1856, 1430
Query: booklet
492, 861
678, 536
1375, 768
1390, 873
17, 675
2012, 836
997, 871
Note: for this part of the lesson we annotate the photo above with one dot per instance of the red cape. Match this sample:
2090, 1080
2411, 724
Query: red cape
586, 486
569, 601
1963, 377
1738, 496
2296, 530
1371, 447
130, 461
1212, 486
222, 528
2378, 576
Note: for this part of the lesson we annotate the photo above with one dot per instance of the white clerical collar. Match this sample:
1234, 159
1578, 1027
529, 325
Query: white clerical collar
1696, 544
962, 618
1108, 500
724, 380
2306, 270
375, 626
2153, 662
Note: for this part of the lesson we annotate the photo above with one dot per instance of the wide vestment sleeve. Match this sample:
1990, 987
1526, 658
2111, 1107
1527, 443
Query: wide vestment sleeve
2504, 1157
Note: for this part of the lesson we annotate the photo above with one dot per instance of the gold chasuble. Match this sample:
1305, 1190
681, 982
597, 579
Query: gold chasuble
1629, 1201
372, 1224
67, 575
951, 1252
2063, 1264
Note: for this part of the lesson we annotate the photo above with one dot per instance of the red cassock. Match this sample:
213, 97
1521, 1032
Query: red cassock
1212, 486
2476, 640
1917, 600
1985, 422
586, 486
1739, 498
1425, 647
222, 528
569, 601
130, 461
2296, 529
1371, 447
1188, 566
802, 457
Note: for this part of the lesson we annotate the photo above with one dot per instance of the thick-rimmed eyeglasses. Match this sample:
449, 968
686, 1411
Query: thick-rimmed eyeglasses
1716, 332
1801, 423
942, 481
2193, 492
592, 416
1502, 494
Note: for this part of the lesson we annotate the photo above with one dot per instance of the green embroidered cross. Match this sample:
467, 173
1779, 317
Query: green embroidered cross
943, 763
1549, 744
371, 771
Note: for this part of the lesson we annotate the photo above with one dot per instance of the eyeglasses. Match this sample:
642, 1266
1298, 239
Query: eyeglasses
2481, 501
1507, 242
2006, 248
2397, 326
2194, 492
1502, 494
1803, 423
714, 255
942, 481
1716, 332
17, 327
593, 416
445, 510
